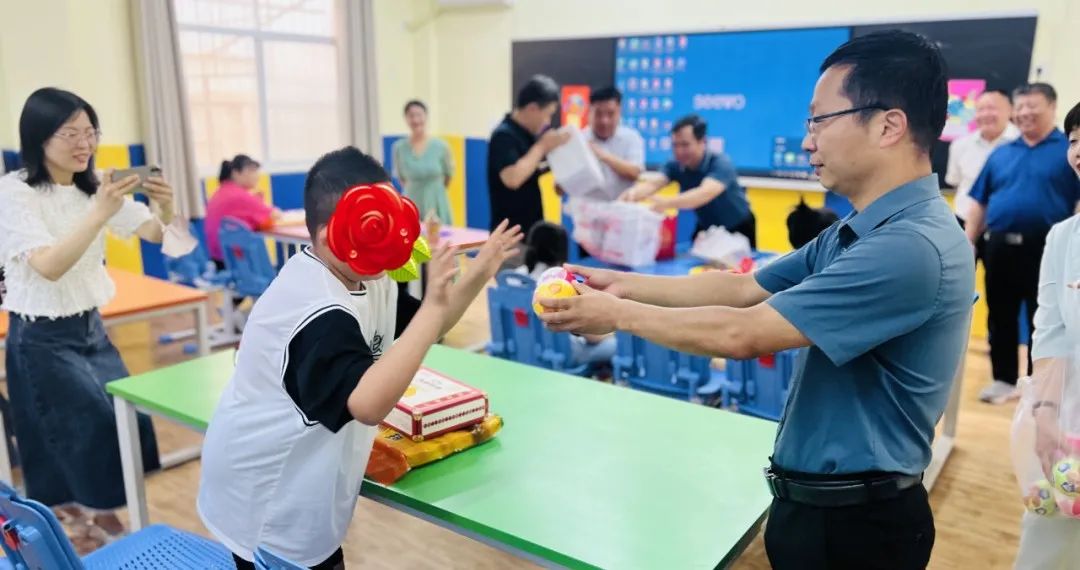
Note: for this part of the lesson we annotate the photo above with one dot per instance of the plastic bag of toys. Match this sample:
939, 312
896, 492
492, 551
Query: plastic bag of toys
1046, 438
393, 455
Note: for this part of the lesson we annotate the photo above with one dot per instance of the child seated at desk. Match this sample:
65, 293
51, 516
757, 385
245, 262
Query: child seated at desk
327, 352
546, 246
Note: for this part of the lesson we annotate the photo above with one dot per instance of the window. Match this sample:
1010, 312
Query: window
262, 79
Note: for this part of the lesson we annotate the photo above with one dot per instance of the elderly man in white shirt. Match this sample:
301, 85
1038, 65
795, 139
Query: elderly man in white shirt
1051, 543
620, 149
967, 154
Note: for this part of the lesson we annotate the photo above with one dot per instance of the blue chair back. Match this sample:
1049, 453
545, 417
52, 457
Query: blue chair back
32, 536
515, 330
268, 560
653, 368
764, 383
246, 258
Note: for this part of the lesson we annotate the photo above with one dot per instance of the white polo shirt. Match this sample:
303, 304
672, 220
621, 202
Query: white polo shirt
283, 459
626, 144
967, 155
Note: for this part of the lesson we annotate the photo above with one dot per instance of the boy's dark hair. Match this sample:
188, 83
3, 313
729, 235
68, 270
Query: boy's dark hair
414, 103
546, 243
540, 89
329, 178
805, 223
1044, 89
895, 69
1072, 120
45, 111
605, 94
237, 164
695, 122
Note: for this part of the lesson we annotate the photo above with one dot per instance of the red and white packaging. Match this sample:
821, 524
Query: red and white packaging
435, 404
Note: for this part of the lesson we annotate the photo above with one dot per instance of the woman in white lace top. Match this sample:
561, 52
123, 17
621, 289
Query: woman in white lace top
53, 216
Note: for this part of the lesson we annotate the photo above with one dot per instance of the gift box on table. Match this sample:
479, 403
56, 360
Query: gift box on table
435, 404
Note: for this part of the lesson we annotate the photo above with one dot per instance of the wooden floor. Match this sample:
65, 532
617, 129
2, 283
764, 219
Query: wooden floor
975, 500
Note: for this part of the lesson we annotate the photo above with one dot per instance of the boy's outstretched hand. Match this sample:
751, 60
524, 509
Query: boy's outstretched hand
502, 245
441, 270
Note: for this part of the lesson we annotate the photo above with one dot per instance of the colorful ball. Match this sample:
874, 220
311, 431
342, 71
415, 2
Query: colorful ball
555, 283
1067, 476
1040, 499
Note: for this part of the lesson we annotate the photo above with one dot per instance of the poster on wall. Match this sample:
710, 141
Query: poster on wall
961, 110
575, 105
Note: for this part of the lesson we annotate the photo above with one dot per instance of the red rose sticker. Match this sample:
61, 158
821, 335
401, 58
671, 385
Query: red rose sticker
373, 228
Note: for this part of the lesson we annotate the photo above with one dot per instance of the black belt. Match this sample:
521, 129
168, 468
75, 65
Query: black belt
839, 493
1015, 238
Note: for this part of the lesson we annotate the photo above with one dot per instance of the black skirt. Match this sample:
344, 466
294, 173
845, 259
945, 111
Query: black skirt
64, 424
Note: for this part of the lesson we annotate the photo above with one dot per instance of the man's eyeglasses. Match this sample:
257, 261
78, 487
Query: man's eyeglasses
73, 137
811, 122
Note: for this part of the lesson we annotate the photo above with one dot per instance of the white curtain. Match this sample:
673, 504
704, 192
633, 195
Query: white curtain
357, 31
166, 125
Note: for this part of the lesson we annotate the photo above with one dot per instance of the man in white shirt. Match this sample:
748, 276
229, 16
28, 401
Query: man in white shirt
967, 154
620, 149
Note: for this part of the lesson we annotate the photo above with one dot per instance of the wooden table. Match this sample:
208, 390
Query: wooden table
138, 298
583, 475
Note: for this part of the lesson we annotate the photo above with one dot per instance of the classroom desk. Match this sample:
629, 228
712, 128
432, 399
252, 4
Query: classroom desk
945, 440
583, 475
138, 297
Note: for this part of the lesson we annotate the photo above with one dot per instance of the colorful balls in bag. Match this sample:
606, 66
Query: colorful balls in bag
1040, 499
1067, 476
555, 283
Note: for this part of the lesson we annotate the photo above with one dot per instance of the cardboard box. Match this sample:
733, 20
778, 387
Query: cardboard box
435, 404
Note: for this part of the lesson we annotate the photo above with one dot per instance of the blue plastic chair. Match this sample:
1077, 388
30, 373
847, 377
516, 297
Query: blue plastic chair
33, 539
246, 258
196, 270
515, 330
518, 335
266, 559
649, 367
764, 383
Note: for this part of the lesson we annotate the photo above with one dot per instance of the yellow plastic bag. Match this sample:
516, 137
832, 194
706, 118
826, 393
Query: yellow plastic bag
393, 455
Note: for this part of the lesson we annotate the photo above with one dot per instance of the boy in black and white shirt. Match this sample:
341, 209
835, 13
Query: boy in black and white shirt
283, 458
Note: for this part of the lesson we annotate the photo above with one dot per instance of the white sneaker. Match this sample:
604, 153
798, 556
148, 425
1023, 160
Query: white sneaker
999, 392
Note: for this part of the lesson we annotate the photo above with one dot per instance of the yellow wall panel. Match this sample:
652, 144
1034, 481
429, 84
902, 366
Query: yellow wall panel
456, 189
551, 201
112, 156
771, 208
120, 253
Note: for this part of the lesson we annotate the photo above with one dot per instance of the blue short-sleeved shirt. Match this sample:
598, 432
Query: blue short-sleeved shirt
884, 296
1027, 189
730, 208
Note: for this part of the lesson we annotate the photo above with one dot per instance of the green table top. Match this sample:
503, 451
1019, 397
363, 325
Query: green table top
583, 474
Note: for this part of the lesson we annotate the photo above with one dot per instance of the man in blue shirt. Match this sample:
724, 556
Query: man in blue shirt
882, 301
707, 180
1023, 189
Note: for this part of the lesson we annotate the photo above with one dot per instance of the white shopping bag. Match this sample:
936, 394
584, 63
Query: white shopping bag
620, 233
575, 167
718, 245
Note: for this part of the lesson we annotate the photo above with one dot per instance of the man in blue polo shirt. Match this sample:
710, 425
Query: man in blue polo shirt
882, 301
707, 181
1023, 189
